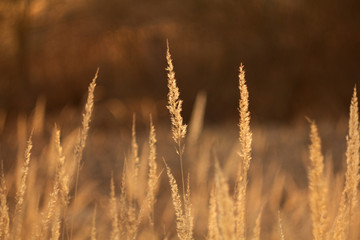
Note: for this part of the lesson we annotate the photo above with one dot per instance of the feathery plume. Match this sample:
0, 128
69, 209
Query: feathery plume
174, 103
317, 185
245, 138
79, 147
349, 198
62, 176
152, 170
352, 157
89, 106
60, 189
175, 107
20, 194
183, 230
55, 229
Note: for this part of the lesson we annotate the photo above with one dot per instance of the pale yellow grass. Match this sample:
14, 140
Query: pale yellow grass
4, 209
243, 201
20, 194
317, 186
245, 138
349, 200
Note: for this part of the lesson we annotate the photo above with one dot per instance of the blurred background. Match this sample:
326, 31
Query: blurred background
302, 57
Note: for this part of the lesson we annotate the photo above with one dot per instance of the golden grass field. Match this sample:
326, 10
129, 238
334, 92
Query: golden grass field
187, 182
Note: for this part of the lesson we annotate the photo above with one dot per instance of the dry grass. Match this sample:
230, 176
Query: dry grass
4, 218
245, 138
234, 193
317, 186
20, 194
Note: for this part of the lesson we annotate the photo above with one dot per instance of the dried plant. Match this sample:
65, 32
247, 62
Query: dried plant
20, 194
257, 228
352, 157
349, 199
183, 218
93, 226
178, 129
213, 228
4, 209
56, 225
281, 230
245, 138
115, 233
317, 186
152, 180
79, 148
135, 152
225, 206
174, 106
44, 209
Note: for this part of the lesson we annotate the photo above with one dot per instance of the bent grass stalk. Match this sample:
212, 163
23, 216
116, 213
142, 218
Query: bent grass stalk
79, 148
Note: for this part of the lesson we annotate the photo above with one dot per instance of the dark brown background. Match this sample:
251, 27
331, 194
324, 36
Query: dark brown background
302, 57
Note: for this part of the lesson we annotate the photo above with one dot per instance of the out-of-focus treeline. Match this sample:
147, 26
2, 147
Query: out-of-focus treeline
301, 57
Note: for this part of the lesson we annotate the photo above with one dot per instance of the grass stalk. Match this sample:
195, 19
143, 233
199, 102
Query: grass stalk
79, 148
317, 186
178, 129
245, 139
20, 194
